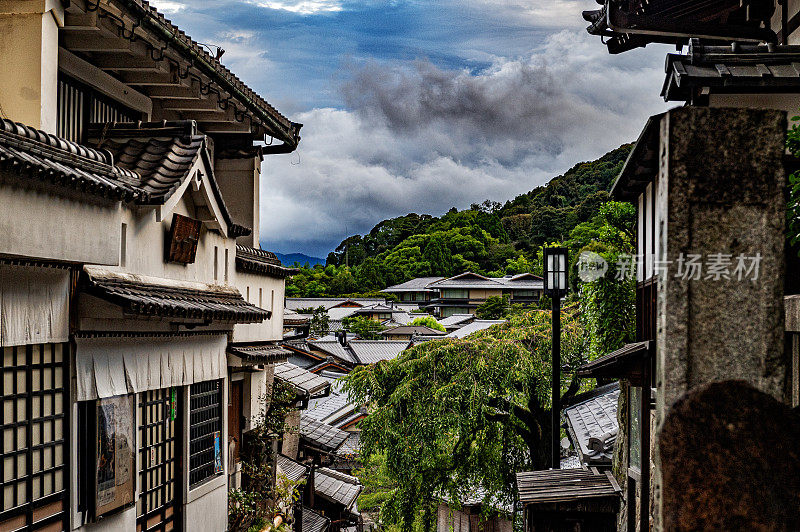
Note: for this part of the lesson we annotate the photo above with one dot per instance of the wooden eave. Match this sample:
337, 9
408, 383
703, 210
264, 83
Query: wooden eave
133, 43
641, 167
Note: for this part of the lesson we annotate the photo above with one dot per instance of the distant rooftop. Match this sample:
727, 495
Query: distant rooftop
420, 284
475, 326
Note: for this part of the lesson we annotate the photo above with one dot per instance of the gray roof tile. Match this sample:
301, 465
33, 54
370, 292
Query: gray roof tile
592, 425
301, 379
337, 487
324, 437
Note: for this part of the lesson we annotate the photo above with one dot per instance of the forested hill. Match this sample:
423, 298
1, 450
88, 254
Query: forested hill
490, 237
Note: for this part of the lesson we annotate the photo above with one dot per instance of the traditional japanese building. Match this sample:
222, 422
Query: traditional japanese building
138, 316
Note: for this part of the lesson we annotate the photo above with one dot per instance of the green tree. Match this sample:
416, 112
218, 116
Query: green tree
438, 256
428, 321
320, 322
494, 308
364, 327
465, 412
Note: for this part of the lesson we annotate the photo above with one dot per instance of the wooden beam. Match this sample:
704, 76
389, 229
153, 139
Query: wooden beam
182, 104
81, 21
91, 42
177, 92
155, 79
127, 63
224, 127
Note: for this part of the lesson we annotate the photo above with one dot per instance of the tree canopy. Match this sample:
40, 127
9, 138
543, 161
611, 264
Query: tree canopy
458, 413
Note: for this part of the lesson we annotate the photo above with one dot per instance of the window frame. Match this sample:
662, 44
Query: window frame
207, 442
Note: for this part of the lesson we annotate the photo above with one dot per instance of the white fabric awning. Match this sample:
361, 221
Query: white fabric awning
34, 305
107, 367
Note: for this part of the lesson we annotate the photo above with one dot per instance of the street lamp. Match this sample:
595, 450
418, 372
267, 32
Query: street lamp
555, 286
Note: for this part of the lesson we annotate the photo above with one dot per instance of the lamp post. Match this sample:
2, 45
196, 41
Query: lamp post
555, 286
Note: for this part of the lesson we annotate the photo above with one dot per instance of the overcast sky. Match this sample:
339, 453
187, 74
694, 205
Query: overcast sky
421, 105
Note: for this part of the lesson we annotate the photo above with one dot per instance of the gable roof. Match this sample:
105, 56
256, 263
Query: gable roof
163, 155
420, 284
294, 303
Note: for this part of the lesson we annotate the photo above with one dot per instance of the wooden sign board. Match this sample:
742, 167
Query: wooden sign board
184, 236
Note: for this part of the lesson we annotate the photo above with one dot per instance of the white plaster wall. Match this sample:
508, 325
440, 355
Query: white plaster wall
267, 293
209, 511
146, 241
38, 224
238, 179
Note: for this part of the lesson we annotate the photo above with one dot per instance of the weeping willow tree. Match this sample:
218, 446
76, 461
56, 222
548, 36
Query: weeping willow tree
451, 415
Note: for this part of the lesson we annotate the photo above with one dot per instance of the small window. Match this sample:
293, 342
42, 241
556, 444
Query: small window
226, 265
453, 293
260, 298
248, 294
205, 432
216, 263
123, 245
272, 300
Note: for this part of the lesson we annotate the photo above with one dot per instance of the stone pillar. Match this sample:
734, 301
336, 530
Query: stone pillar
720, 191
29, 68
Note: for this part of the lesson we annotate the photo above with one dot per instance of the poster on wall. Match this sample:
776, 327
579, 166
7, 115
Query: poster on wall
115, 453
217, 452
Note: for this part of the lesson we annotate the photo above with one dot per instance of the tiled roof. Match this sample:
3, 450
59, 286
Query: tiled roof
592, 424
372, 351
260, 354
162, 162
143, 12
332, 410
456, 319
260, 261
475, 326
467, 280
37, 155
334, 348
618, 364
295, 303
337, 487
525, 281
150, 296
321, 436
412, 329
162, 155
565, 485
420, 284
724, 70
314, 522
351, 446
303, 380
294, 471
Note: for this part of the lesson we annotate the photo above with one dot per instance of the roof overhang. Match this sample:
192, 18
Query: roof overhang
641, 167
134, 43
170, 299
628, 362
625, 25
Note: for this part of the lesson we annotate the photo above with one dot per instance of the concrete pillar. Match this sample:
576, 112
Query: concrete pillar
29, 68
238, 179
720, 196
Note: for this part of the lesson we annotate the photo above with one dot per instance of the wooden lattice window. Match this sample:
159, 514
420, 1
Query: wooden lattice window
159, 460
205, 431
33, 467
79, 105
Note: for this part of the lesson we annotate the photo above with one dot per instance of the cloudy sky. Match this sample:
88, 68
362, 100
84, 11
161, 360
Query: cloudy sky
421, 105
